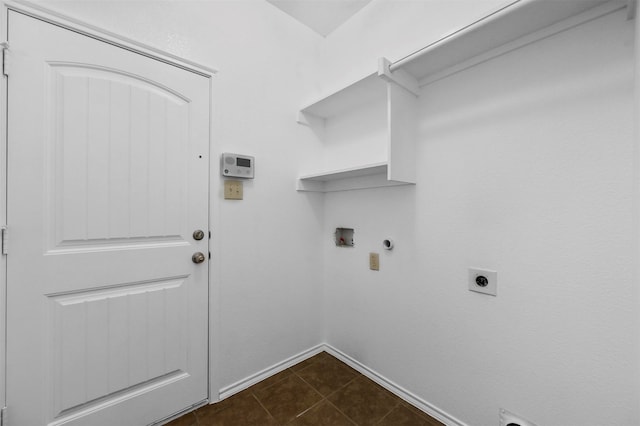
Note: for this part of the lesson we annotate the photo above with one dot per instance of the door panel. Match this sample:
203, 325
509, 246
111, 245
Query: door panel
117, 175
107, 179
147, 342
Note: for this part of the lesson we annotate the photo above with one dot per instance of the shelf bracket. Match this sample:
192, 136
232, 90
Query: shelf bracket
400, 76
309, 186
310, 120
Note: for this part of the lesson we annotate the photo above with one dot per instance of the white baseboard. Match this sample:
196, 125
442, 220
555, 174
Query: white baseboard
399, 391
245, 383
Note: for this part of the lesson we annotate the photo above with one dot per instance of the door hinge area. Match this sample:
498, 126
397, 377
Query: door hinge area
4, 239
5, 57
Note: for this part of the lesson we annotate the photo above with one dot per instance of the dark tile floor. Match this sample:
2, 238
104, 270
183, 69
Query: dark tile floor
320, 391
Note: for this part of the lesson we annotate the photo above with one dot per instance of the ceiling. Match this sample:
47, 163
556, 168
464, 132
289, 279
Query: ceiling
322, 16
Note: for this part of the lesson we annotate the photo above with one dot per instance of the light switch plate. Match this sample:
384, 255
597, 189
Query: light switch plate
232, 190
483, 281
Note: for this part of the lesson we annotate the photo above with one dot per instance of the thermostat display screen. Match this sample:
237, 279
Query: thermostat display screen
243, 162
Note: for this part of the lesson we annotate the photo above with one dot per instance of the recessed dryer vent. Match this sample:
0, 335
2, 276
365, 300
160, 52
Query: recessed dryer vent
344, 237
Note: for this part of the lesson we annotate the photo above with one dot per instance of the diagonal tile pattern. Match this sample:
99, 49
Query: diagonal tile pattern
327, 375
363, 401
320, 391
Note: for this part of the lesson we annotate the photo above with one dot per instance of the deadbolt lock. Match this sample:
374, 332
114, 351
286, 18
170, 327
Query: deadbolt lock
198, 257
198, 234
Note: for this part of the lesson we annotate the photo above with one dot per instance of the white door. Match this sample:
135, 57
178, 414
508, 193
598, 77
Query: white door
107, 181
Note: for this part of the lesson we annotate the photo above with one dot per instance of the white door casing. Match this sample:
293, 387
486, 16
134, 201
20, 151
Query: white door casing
108, 154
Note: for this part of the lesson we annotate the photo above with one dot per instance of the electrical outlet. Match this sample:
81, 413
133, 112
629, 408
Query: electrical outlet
232, 190
483, 281
510, 419
374, 261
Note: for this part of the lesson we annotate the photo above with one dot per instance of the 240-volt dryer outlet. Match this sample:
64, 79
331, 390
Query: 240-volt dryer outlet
483, 281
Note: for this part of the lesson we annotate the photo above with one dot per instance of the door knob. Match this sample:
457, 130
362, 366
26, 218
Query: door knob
198, 257
198, 234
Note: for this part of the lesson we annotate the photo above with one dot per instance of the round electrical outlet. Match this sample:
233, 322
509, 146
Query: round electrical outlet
482, 281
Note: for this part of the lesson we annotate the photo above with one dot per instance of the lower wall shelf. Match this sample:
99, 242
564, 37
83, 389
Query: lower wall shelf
361, 177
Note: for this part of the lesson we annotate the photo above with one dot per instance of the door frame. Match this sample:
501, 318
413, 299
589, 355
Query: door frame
48, 15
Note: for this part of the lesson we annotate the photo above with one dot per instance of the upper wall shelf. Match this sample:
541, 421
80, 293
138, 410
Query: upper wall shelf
396, 85
366, 176
361, 92
515, 25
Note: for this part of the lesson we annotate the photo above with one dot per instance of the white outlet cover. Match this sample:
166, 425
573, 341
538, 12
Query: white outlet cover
507, 418
492, 276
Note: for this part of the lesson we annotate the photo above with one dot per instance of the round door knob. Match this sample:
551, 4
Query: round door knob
198, 257
198, 234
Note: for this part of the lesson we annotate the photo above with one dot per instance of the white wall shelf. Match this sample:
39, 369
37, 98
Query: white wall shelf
359, 177
395, 102
367, 89
397, 85
518, 24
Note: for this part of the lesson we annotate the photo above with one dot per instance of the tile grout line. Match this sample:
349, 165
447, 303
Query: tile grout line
341, 412
336, 390
356, 377
326, 398
308, 409
323, 398
310, 385
398, 404
293, 373
261, 405
253, 393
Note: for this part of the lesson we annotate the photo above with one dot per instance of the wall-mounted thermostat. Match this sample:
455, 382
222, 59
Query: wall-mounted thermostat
235, 165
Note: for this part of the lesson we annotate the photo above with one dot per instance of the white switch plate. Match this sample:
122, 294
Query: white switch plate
232, 190
492, 281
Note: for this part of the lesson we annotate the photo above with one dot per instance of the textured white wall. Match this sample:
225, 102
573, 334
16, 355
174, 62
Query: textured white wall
525, 166
267, 299
391, 29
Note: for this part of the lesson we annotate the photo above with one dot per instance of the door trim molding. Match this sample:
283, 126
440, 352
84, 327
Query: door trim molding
48, 15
